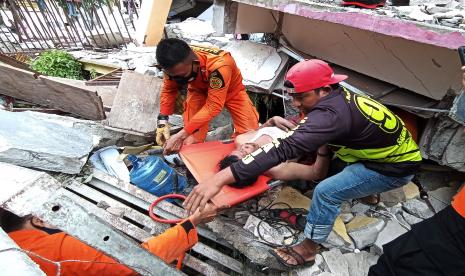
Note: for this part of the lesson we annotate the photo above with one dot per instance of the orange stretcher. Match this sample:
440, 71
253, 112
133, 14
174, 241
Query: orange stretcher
202, 161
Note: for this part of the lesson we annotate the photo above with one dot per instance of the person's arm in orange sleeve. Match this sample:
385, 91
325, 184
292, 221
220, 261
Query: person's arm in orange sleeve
172, 243
73, 249
168, 95
219, 82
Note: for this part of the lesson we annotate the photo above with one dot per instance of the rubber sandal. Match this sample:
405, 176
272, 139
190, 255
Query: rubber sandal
301, 262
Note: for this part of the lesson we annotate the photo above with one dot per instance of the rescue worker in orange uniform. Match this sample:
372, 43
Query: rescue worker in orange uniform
213, 82
34, 235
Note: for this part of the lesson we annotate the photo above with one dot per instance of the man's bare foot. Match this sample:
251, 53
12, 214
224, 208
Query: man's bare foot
300, 254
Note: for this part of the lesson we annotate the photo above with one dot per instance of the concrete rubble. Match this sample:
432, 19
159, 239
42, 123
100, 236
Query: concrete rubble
418, 208
29, 141
392, 230
364, 230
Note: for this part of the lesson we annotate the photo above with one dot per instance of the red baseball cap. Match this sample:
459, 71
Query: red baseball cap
311, 74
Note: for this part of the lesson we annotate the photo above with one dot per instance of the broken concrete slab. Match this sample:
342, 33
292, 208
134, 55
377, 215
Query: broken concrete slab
394, 196
364, 230
25, 189
411, 191
14, 261
191, 29
443, 141
336, 262
360, 208
261, 65
392, 230
359, 263
441, 198
101, 136
308, 271
29, 141
418, 208
411, 219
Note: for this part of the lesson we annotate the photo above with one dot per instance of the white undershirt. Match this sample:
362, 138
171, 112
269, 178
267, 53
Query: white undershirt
273, 132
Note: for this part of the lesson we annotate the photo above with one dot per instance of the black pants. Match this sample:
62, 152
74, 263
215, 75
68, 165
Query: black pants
433, 247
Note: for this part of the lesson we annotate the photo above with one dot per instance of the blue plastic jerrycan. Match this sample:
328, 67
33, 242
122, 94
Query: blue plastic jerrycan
153, 175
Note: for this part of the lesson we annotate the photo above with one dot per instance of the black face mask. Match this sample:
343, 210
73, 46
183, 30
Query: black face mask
186, 80
49, 231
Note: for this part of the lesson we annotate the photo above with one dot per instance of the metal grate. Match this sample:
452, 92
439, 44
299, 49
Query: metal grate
32, 26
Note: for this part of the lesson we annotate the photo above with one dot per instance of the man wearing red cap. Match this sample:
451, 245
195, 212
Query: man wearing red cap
374, 143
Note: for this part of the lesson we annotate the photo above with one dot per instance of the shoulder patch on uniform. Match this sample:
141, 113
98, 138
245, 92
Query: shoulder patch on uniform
211, 50
216, 80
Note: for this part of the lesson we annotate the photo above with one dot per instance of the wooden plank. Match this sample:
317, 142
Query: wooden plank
152, 20
137, 103
45, 91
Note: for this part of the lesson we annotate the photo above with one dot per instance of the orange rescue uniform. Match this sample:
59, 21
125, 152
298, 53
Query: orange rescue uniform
459, 202
218, 84
168, 246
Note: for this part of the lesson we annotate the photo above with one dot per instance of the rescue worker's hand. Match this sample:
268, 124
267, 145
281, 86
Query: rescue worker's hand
174, 143
207, 189
463, 76
207, 215
280, 122
162, 134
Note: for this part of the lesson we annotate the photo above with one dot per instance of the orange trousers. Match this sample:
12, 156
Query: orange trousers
244, 116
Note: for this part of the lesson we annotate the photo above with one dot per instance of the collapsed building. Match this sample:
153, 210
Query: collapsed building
405, 57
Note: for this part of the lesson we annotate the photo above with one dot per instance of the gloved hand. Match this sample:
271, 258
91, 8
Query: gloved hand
162, 132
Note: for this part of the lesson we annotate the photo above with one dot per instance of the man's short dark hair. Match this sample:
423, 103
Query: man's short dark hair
172, 51
228, 161
10, 222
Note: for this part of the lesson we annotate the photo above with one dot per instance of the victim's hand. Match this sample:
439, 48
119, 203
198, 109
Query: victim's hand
281, 123
200, 195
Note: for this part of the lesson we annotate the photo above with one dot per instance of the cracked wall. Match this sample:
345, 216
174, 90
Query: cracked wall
425, 69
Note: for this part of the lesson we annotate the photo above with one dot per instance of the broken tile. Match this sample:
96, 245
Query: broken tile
359, 263
418, 208
392, 230
336, 262
364, 230
29, 141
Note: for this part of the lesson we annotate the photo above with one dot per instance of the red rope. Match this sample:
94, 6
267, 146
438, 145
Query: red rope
160, 199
